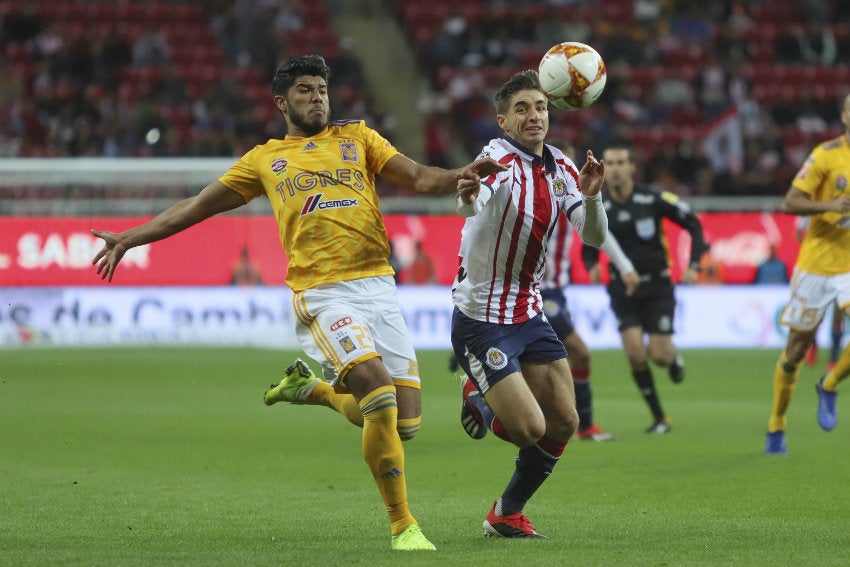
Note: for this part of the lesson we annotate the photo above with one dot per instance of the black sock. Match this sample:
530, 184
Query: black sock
533, 466
646, 385
584, 404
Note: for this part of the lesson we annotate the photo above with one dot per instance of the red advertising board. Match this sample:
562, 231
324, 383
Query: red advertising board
56, 251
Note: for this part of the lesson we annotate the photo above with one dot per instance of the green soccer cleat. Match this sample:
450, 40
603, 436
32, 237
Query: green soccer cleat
297, 383
412, 539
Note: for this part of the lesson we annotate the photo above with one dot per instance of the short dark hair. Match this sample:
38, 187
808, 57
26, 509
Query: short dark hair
527, 80
291, 69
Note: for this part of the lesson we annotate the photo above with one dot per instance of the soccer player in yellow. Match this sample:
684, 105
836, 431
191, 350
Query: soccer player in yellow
320, 180
821, 277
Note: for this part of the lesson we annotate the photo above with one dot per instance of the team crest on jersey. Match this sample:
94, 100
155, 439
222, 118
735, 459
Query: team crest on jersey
346, 343
348, 150
645, 228
559, 188
279, 166
496, 359
841, 182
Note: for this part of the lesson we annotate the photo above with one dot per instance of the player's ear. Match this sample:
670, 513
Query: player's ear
280, 102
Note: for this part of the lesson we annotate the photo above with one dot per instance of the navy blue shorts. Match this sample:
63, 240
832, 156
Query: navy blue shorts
488, 351
556, 311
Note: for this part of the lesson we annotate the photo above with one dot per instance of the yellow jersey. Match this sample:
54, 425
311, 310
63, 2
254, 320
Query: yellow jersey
322, 192
825, 175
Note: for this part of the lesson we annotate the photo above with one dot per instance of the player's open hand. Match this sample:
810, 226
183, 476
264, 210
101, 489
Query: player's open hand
631, 280
841, 203
690, 276
109, 256
591, 175
483, 167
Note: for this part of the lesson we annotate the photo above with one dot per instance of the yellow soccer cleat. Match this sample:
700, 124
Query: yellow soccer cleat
297, 383
412, 539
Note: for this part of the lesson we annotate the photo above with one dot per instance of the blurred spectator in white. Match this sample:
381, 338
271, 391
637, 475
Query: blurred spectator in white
817, 44
808, 118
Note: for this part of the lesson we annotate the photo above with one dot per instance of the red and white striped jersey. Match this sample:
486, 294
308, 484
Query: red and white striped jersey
557, 272
508, 228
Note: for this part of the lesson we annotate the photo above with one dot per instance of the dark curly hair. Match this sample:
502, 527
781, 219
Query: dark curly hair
527, 80
291, 69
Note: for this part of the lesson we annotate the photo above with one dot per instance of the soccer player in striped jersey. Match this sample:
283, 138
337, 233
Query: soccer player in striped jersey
320, 181
518, 380
821, 278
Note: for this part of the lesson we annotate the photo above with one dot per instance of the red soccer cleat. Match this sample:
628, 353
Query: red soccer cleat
514, 525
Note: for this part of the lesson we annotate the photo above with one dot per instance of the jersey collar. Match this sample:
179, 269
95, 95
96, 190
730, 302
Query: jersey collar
547, 160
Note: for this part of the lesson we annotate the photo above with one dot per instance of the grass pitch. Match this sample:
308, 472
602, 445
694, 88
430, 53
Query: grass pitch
168, 457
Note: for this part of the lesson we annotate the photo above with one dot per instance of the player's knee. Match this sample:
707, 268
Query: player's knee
408, 428
527, 433
565, 428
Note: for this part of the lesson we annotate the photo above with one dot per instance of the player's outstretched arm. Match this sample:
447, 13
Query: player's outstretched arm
798, 202
213, 199
428, 180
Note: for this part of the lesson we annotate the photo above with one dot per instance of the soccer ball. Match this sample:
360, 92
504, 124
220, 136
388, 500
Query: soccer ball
572, 75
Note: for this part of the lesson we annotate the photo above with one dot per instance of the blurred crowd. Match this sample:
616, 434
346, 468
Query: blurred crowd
107, 78
687, 81
717, 97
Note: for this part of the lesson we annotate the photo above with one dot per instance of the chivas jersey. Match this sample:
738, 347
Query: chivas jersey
322, 192
826, 247
504, 243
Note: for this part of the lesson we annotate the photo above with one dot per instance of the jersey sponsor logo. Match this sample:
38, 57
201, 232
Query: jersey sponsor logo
314, 202
279, 166
559, 188
339, 324
496, 359
310, 146
841, 183
645, 228
671, 198
643, 199
348, 151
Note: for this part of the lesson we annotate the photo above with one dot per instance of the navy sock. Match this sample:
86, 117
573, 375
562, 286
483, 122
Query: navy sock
534, 464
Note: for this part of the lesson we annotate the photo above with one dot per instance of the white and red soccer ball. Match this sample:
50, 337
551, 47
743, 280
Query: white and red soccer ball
572, 75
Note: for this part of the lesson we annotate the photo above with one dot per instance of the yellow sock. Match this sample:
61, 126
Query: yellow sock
325, 395
408, 428
840, 372
384, 454
784, 383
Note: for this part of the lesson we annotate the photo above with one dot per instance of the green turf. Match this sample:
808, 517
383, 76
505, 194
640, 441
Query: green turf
168, 457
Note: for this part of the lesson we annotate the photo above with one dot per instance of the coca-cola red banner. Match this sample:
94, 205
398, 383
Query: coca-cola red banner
55, 251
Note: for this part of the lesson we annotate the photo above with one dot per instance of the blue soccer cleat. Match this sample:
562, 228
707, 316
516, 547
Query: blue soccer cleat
827, 415
775, 443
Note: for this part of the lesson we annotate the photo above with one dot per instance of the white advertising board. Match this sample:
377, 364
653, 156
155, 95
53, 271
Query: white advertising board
706, 316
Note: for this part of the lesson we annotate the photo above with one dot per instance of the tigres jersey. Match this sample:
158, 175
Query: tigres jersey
824, 176
322, 192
